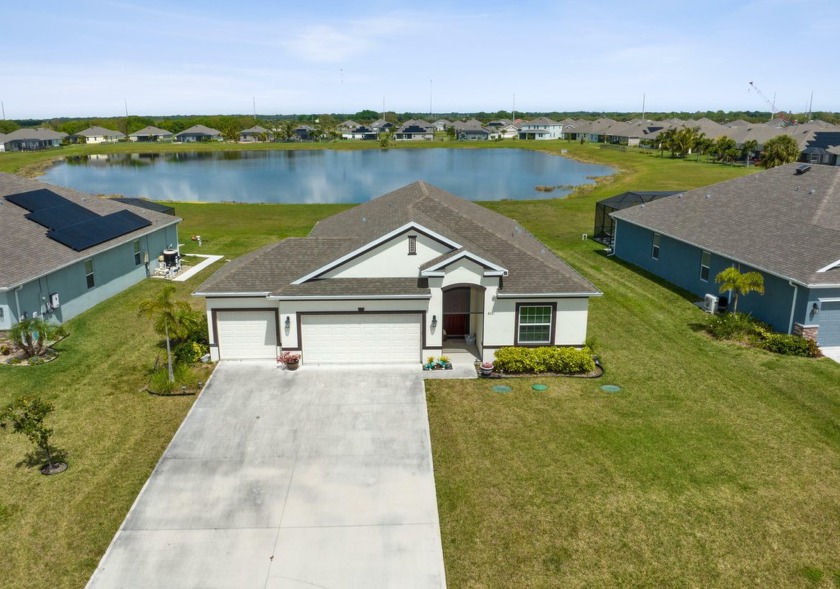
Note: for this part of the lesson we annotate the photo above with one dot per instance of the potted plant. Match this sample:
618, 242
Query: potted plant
444, 361
290, 359
486, 368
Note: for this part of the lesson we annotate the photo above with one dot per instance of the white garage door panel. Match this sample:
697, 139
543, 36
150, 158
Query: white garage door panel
361, 339
246, 335
829, 317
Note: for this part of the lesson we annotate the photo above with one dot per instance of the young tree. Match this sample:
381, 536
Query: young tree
31, 335
740, 284
169, 318
779, 150
748, 149
26, 416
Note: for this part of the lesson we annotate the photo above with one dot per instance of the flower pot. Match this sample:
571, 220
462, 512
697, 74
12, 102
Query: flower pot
486, 371
292, 365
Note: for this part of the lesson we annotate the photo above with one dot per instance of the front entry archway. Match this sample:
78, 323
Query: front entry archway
456, 312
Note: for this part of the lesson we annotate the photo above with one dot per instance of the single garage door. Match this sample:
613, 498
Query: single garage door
246, 335
361, 339
829, 333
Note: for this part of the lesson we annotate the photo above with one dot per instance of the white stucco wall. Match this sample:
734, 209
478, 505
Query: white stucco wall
391, 259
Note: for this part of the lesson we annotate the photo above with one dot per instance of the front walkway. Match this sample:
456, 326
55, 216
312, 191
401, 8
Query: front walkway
321, 477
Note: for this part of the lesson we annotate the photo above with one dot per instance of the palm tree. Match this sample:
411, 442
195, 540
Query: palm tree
748, 149
171, 319
732, 279
779, 150
31, 335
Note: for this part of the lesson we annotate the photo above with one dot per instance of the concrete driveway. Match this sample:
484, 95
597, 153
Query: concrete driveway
318, 478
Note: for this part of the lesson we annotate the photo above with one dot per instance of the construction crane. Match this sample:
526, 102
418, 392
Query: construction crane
772, 105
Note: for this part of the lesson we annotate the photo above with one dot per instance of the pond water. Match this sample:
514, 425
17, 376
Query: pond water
323, 176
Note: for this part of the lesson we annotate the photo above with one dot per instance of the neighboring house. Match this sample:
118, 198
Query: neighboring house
822, 148
348, 125
541, 129
64, 251
148, 134
304, 133
32, 139
783, 223
381, 126
394, 280
414, 132
256, 134
360, 133
474, 134
509, 131
198, 133
2, 142
97, 135
441, 124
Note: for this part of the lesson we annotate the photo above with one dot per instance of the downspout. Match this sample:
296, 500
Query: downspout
793, 305
17, 301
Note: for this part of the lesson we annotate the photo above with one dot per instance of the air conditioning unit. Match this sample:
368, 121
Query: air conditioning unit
710, 303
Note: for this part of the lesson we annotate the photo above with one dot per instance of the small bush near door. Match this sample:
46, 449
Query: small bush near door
517, 360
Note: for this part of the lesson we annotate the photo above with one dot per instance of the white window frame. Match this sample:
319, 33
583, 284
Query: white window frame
707, 267
138, 253
654, 250
90, 276
520, 324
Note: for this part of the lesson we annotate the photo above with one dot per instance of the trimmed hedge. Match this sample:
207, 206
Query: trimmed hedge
743, 328
518, 360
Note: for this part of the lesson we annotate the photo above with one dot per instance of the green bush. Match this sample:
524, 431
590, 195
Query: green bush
735, 326
159, 383
518, 360
790, 345
190, 352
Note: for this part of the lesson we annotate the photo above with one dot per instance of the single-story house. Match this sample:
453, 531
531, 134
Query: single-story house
360, 133
255, 134
783, 223
304, 133
2, 142
63, 251
32, 139
198, 133
348, 125
541, 129
97, 135
394, 280
150, 133
474, 134
415, 131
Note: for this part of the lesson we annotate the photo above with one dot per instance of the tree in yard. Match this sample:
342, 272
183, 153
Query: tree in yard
748, 149
740, 284
685, 139
666, 141
451, 135
171, 319
724, 148
779, 150
26, 416
32, 335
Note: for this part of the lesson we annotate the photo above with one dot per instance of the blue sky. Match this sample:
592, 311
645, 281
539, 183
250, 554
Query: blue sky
90, 57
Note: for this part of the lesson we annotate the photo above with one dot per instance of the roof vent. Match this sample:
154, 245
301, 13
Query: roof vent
802, 168
812, 191
708, 195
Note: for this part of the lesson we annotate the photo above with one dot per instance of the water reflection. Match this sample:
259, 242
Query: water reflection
322, 176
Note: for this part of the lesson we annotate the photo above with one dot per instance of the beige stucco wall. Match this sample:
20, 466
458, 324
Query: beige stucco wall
391, 259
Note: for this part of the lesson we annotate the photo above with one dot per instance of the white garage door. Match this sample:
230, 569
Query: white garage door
829, 317
246, 334
361, 339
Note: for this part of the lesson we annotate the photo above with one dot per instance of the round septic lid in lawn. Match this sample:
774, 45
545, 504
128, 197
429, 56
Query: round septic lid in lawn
501, 388
539, 387
610, 388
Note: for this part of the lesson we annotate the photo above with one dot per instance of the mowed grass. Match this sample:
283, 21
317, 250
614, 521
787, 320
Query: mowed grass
716, 466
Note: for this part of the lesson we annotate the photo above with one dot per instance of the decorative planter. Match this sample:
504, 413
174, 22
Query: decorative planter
293, 365
486, 370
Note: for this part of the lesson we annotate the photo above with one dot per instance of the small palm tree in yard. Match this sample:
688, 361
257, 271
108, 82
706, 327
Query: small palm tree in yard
172, 319
740, 284
33, 334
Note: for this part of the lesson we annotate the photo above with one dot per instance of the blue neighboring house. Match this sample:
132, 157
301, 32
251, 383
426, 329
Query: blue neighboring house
63, 251
783, 223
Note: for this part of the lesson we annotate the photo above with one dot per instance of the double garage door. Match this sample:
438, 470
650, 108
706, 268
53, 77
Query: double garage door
372, 338
361, 338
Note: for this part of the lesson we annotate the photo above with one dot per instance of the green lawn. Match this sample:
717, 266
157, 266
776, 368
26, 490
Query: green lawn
716, 466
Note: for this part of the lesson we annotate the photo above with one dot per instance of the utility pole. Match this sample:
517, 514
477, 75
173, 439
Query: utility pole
643, 105
125, 102
3, 106
430, 99
254, 100
513, 112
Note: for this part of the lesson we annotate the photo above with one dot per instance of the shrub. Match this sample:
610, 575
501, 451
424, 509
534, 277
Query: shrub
790, 345
159, 383
518, 360
190, 352
735, 326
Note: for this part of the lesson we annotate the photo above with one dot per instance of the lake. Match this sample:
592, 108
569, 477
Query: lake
323, 176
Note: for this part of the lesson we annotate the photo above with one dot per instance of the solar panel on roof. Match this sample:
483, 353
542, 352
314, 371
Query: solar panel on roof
61, 216
37, 199
87, 234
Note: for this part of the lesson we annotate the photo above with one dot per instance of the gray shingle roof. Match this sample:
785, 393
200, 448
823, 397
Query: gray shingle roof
25, 250
199, 130
149, 131
776, 221
40, 134
99, 132
533, 268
